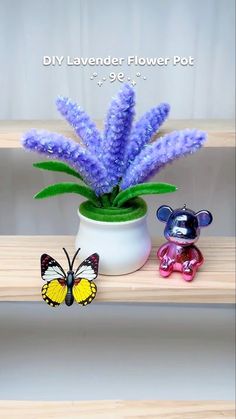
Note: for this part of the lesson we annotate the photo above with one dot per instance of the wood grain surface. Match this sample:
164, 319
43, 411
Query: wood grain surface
221, 133
215, 282
114, 409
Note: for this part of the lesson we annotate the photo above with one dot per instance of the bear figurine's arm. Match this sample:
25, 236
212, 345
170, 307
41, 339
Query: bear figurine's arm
195, 256
163, 250
165, 254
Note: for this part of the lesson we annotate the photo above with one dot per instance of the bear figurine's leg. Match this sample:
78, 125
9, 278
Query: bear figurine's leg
166, 266
189, 270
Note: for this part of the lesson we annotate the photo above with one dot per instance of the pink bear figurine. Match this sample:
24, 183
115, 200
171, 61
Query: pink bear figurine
182, 231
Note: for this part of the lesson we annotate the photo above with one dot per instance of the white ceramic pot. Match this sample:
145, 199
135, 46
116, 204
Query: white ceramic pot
123, 247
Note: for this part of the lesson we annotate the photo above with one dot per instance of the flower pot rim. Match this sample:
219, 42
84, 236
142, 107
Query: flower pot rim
135, 210
111, 223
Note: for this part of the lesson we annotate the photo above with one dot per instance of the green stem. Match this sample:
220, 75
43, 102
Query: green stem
114, 193
105, 200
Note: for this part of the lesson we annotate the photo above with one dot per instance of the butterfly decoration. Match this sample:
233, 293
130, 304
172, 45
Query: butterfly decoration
75, 285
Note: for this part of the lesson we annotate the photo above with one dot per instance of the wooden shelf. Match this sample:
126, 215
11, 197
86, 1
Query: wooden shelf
20, 273
117, 409
221, 133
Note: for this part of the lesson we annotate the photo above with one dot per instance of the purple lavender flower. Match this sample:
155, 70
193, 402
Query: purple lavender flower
116, 133
144, 129
80, 121
163, 151
59, 147
122, 156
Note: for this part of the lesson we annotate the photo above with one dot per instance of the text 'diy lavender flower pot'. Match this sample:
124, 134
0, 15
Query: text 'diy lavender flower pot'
120, 237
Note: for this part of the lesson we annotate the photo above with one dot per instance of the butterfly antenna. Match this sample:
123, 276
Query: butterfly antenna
68, 258
73, 260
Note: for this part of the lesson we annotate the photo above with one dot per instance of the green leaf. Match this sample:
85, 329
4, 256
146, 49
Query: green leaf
56, 166
68, 187
142, 189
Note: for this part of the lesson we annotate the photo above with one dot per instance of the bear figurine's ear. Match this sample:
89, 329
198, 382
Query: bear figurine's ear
163, 213
204, 218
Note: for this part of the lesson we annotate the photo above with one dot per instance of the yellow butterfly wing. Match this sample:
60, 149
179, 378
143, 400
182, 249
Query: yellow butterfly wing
54, 292
84, 291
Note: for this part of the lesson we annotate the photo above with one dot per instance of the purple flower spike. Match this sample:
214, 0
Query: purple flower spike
80, 121
59, 147
144, 129
116, 133
163, 151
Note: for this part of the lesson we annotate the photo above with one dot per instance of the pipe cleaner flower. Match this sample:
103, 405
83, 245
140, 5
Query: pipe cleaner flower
163, 151
59, 147
113, 164
144, 130
117, 129
81, 122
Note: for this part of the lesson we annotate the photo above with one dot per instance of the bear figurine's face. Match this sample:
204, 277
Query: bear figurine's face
183, 225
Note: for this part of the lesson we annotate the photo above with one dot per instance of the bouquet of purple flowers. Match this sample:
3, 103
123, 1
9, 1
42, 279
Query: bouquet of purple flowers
114, 166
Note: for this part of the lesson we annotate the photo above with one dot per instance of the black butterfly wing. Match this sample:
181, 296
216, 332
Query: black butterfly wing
51, 269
